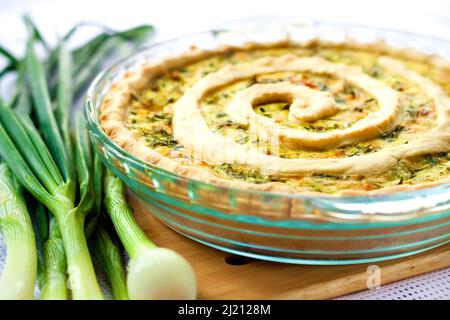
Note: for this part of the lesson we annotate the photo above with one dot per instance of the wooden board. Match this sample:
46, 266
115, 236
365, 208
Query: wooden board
225, 276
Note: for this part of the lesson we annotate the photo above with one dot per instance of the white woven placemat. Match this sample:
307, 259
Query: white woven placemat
431, 286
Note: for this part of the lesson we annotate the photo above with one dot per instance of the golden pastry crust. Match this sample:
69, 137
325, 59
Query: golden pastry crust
187, 117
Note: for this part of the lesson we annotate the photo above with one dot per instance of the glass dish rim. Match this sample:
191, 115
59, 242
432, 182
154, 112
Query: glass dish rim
94, 126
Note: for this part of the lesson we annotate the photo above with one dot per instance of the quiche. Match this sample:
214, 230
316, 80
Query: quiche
316, 117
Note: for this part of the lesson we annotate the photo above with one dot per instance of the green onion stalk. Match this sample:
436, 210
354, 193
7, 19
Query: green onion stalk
153, 273
88, 59
25, 151
54, 271
19, 274
105, 249
64, 96
52, 266
17, 280
12, 62
43, 160
43, 167
53, 284
109, 256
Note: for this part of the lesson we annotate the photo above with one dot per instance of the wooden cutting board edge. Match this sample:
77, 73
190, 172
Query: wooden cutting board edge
322, 283
390, 271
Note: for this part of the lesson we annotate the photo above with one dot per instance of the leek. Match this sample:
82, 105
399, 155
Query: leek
153, 273
19, 274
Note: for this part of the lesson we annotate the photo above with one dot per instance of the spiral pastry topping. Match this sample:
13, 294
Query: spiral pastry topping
318, 118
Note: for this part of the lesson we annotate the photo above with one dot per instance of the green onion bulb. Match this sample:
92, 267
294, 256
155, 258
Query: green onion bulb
153, 273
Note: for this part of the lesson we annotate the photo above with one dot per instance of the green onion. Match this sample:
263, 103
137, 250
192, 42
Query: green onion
21, 101
44, 112
97, 183
54, 279
89, 58
19, 273
46, 175
50, 64
9, 56
52, 262
107, 44
138, 34
34, 32
58, 173
105, 250
110, 258
93, 64
83, 53
9, 68
79, 25
83, 159
153, 273
99, 171
135, 35
52, 265
64, 96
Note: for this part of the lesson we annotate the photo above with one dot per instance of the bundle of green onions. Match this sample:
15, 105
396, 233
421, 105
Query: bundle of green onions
75, 204
17, 279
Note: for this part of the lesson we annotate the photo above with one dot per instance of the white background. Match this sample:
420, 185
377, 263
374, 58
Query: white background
177, 17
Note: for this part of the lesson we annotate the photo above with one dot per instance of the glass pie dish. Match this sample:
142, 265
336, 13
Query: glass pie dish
283, 227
